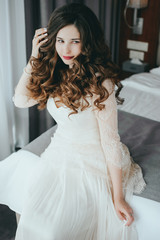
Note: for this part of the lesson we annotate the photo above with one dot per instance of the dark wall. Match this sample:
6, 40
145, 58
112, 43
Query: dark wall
151, 28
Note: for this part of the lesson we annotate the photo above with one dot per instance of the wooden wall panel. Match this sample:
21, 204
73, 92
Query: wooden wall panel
151, 28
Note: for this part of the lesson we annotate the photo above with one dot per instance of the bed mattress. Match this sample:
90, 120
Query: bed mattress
142, 95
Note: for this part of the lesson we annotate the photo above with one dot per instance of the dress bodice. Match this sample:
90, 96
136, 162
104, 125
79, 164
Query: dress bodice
81, 127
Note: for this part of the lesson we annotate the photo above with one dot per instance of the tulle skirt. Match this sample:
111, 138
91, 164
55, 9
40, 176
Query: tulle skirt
65, 194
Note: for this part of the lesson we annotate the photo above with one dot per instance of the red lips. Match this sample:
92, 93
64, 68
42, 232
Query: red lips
67, 57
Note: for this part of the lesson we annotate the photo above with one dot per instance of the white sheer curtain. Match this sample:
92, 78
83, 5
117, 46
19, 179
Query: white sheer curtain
13, 121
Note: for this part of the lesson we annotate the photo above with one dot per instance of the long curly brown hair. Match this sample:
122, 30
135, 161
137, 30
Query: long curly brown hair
50, 77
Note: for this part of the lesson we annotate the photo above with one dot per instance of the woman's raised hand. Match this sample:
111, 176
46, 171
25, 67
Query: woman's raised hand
38, 40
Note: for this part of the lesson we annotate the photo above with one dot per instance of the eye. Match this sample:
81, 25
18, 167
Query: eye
60, 41
76, 41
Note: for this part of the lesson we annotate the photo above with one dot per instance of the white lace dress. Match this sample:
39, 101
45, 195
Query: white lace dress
66, 193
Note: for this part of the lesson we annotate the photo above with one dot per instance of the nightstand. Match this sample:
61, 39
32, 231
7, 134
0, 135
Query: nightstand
128, 66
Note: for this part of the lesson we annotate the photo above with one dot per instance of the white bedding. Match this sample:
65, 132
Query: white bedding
142, 95
146, 215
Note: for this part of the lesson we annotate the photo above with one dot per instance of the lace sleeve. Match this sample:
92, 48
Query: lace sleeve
21, 97
108, 127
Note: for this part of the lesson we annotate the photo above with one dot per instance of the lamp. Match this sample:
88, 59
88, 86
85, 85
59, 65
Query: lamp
137, 3
137, 22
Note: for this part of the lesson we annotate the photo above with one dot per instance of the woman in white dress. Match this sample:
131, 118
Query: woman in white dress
81, 185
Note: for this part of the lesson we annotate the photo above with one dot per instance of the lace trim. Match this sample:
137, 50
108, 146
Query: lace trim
136, 178
132, 177
132, 174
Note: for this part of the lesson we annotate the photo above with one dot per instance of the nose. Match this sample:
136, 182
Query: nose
67, 48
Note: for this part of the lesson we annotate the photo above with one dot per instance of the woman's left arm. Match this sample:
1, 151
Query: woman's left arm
123, 210
111, 145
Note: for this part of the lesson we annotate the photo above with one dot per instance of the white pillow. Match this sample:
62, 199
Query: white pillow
155, 71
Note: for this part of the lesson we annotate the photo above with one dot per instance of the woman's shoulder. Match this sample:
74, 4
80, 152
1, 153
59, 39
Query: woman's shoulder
107, 83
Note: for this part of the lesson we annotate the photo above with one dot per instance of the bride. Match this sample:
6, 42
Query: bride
81, 185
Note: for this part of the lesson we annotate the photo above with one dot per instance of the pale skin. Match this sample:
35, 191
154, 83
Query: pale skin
68, 46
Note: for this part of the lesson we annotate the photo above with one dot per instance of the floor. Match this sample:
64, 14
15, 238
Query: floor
7, 223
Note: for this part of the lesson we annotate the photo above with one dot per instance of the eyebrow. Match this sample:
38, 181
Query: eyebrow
70, 39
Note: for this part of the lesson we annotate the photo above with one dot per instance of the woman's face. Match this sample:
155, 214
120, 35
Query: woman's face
68, 44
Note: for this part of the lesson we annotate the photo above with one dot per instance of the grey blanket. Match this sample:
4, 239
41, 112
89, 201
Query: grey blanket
141, 135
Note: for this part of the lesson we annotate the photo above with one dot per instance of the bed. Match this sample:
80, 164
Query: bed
140, 114
142, 94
